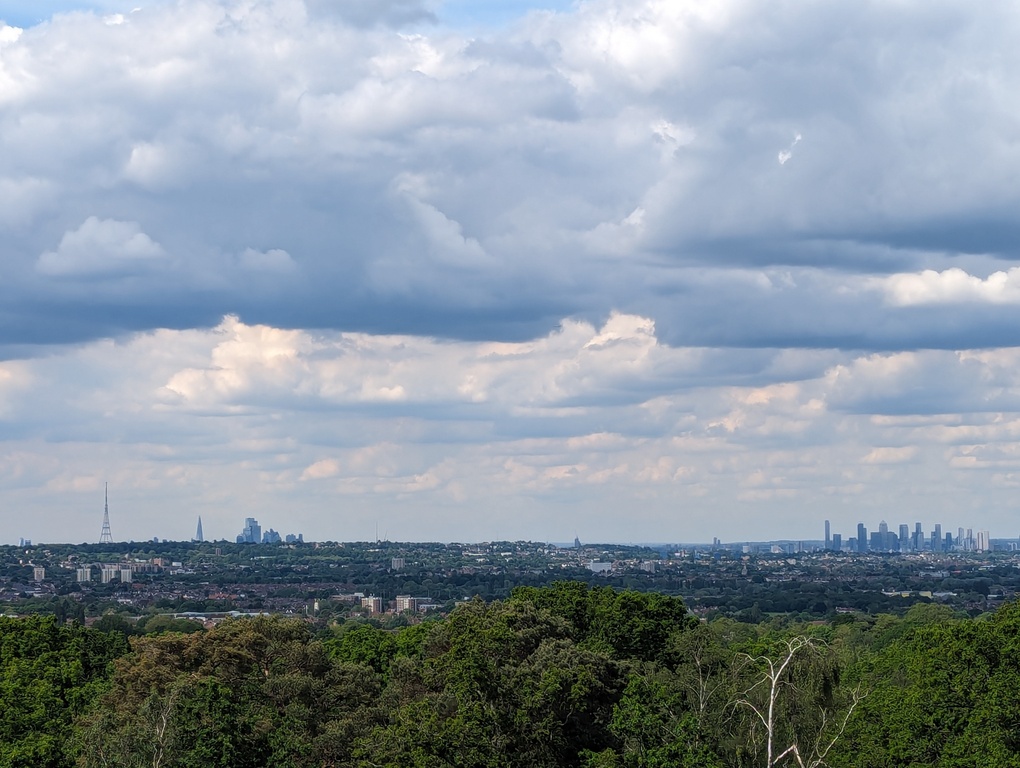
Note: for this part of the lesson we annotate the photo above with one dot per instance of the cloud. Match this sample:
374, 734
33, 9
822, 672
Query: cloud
321, 470
579, 263
367, 13
9, 34
952, 286
574, 367
21, 199
786, 154
614, 156
274, 260
581, 421
15, 378
156, 165
890, 455
102, 248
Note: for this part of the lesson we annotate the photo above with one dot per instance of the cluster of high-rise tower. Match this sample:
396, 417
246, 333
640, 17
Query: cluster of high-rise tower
252, 533
905, 540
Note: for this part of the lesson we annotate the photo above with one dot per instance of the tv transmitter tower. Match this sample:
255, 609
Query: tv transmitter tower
106, 537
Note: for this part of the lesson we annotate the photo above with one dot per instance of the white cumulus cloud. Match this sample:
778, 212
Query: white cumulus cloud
951, 286
99, 248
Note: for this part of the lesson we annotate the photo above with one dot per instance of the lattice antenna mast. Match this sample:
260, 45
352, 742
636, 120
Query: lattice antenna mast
106, 537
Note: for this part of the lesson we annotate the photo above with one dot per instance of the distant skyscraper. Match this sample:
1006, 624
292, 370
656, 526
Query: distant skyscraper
904, 537
828, 536
271, 537
837, 542
918, 543
862, 538
198, 534
984, 541
883, 540
936, 538
106, 537
252, 532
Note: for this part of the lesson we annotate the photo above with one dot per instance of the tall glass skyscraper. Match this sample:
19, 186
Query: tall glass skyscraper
252, 532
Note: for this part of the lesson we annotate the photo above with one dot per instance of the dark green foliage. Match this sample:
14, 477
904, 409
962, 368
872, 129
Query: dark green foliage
250, 694
946, 695
573, 676
357, 643
50, 672
115, 623
627, 624
497, 685
156, 625
655, 726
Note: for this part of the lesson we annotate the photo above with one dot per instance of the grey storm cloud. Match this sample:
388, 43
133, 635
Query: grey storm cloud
661, 158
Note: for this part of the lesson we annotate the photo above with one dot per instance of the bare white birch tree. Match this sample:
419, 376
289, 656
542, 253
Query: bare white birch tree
764, 696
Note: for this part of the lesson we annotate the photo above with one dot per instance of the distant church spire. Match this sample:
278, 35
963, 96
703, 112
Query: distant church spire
106, 537
198, 533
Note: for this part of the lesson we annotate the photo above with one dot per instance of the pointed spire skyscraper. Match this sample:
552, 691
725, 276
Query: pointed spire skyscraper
198, 533
106, 537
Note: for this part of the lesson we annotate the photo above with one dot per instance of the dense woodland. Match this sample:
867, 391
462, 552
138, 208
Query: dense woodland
565, 675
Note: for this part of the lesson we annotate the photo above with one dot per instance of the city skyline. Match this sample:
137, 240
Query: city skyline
252, 532
907, 540
638, 269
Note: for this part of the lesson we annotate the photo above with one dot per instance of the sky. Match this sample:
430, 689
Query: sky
631, 270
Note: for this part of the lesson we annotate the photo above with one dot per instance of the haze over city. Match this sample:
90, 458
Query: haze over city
634, 270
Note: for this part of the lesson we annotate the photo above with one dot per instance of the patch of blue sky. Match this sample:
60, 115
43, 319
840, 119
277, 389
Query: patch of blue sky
29, 13
461, 14
493, 13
